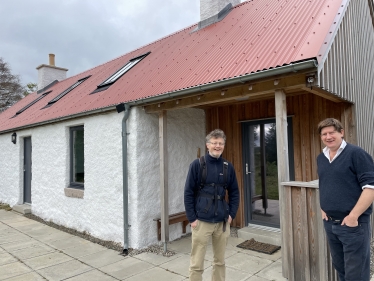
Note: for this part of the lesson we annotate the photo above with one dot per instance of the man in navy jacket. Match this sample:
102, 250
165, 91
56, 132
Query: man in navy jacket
346, 186
207, 211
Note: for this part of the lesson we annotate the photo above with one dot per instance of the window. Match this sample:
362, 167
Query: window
31, 103
77, 157
76, 84
109, 81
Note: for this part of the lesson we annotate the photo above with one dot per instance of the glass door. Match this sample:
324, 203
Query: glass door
261, 171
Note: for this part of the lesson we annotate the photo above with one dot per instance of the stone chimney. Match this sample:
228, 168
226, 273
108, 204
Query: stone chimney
210, 8
49, 73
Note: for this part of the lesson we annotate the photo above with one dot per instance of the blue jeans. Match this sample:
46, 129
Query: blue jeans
350, 250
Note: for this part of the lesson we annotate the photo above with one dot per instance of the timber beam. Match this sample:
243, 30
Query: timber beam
237, 93
323, 93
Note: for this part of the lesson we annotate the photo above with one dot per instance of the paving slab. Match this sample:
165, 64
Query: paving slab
47, 260
93, 275
209, 253
32, 276
256, 278
156, 259
126, 268
72, 241
64, 270
84, 250
231, 274
272, 272
18, 245
8, 220
13, 269
13, 237
6, 215
156, 273
181, 246
51, 236
102, 258
31, 252
181, 265
40, 230
24, 224
247, 263
6, 258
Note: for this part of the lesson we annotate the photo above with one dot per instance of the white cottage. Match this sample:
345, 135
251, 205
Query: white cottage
68, 155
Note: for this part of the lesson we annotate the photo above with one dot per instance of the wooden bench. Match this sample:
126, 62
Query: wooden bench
174, 218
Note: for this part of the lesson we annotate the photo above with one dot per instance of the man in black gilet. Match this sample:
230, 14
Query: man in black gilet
208, 212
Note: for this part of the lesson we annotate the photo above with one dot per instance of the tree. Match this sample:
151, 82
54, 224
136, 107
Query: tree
30, 88
11, 89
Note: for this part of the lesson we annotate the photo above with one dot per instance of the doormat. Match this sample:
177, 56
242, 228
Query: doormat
259, 246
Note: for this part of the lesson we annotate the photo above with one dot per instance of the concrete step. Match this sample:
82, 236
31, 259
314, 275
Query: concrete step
261, 233
22, 209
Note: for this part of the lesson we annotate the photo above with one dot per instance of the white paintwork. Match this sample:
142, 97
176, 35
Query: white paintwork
100, 212
209, 8
48, 73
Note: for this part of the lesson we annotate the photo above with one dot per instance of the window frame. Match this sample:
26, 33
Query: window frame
65, 92
119, 73
30, 104
72, 183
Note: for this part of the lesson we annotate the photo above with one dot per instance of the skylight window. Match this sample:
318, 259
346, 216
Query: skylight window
31, 103
76, 84
109, 81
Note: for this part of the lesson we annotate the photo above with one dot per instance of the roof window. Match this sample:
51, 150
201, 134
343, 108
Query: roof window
76, 84
31, 103
119, 73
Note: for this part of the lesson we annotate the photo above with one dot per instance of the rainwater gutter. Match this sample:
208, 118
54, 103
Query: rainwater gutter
290, 68
126, 108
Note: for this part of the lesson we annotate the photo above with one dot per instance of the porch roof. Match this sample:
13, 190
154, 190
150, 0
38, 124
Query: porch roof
255, 36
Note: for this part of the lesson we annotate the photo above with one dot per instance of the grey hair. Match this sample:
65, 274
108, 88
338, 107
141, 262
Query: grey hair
217, 133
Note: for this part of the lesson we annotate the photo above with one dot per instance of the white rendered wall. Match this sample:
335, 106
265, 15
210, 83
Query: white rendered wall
209, 8
47, 74
100, 212
185, 134
10, 169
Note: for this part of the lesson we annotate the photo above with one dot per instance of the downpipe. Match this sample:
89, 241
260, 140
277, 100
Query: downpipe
126, 108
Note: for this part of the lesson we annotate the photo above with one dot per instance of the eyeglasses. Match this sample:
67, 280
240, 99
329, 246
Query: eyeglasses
217, 143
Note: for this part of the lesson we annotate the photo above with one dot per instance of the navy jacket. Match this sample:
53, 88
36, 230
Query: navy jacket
341, 181
202, 207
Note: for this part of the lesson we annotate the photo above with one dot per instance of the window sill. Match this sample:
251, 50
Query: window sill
74, 192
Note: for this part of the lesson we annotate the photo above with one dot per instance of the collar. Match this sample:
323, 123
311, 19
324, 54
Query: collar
326, 150
211, 158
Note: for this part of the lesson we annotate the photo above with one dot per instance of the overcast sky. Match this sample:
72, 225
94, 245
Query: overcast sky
84, 33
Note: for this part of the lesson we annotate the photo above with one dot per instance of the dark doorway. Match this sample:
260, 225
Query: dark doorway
27, 170
261, 171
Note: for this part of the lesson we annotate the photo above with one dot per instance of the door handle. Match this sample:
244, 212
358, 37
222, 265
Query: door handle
246, 169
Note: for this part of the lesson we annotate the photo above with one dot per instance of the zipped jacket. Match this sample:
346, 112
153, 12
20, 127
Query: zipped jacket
207, 203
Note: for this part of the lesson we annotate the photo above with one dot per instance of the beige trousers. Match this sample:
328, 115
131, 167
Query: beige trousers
200, 238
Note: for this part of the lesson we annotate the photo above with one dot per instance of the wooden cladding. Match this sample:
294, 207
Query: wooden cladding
307, 110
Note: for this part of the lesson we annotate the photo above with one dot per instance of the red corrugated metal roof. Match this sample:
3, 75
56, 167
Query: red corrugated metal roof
255, 35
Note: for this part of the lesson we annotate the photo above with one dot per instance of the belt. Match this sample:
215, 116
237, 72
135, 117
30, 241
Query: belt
333, 219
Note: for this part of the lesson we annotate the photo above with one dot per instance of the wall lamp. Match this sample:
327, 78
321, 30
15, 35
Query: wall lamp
14, 138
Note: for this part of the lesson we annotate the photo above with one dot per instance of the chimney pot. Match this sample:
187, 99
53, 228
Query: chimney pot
47, 73
52, 59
